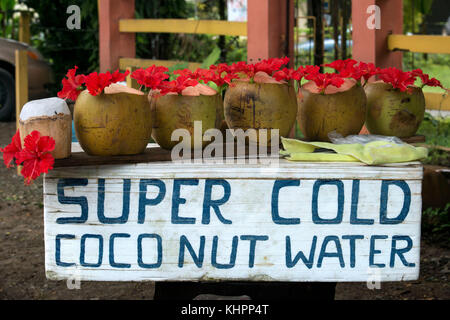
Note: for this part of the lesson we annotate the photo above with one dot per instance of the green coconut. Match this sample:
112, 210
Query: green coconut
171, 112
337, 109
261, 106
392, 112
113, 124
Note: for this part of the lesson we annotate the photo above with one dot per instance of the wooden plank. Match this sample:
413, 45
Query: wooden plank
136, 229
125, 63
215, 27
21, 76
132, 83
24, 27
21, 83
437, 101
414, 139
285, 170
419, 43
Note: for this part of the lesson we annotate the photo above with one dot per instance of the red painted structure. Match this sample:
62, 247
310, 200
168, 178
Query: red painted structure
270, 29
112, 43
371, 45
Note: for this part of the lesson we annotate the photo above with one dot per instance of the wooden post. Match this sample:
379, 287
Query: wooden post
21, 76
21, 81
114, 44
370, 44
131, 83
24, 27
268, 29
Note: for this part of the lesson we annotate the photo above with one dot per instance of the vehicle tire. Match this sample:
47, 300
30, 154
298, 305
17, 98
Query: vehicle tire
7, 95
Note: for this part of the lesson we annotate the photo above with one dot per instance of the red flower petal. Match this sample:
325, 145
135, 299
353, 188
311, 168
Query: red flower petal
35, 157
30, 170
11, 150
151, 77
397, 78
119, 77
96, 82
72, 86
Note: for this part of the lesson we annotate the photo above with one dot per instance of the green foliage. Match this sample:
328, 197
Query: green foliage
62, 47
436, 131
436, 65
158, 46
7, 21
436, 224
421, 9
236, 49
6, 5
212, 58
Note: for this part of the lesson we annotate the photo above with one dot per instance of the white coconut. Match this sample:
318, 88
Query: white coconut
44, 108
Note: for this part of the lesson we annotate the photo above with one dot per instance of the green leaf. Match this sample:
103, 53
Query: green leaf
213, 85
212, 58
6, 5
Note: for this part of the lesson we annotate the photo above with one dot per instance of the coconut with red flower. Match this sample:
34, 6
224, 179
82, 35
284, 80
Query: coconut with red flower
396, 107
179, 103
259, 101
109, 119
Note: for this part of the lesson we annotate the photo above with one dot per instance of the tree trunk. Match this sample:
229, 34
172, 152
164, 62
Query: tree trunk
317, 11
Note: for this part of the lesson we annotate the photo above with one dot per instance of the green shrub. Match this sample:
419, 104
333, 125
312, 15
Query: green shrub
62, 47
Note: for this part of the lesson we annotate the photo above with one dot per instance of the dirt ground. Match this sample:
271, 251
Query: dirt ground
22, 256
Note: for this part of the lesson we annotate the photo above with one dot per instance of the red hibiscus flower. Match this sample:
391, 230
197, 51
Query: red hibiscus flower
152, 77
96, 82
272, 65
365, 71
397, 78
177, 85
10, 151
243, 68
72, 86
116, 76
186, 73
221, 68
269, 66
286, 74
35, 157
223, 75
220, 75
290, 74
323, 80
426, 81
346, 68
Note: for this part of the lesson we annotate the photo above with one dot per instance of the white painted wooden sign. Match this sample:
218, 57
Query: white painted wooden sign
297, 222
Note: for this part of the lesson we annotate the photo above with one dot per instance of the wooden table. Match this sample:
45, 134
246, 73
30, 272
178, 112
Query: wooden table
145, 218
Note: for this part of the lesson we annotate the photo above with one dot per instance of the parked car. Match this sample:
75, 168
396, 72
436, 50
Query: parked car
39, 74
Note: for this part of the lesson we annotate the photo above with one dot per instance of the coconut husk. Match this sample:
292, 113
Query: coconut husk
59, 127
